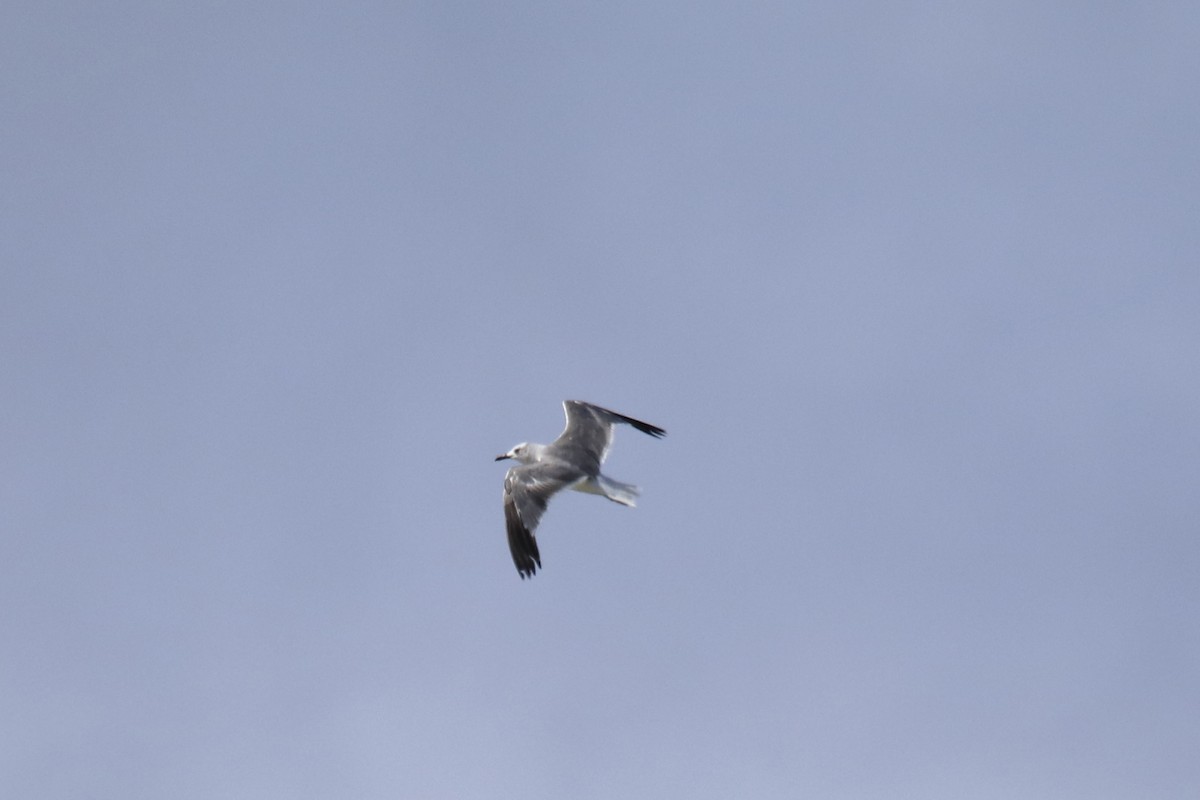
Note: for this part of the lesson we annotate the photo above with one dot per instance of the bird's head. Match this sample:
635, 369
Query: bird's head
524, 452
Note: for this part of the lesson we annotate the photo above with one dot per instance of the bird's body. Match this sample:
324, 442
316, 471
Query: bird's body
572, 461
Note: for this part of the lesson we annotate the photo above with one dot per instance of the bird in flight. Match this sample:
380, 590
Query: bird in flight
572, 461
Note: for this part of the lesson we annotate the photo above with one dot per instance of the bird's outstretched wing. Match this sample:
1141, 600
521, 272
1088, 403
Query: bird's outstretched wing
589, 431
527, 490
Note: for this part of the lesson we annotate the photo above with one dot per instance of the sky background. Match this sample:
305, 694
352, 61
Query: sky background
914, 289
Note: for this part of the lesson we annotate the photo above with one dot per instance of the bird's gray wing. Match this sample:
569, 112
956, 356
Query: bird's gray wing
613, 416
589, 433
527, 490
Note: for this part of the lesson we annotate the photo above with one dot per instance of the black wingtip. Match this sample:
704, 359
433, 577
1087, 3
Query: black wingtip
530, 567
646, 427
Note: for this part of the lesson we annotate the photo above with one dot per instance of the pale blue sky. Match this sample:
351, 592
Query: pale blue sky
914, 288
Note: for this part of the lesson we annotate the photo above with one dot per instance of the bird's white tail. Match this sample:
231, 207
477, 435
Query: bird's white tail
624, 493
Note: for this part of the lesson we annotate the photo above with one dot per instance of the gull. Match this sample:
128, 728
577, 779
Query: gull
572, 461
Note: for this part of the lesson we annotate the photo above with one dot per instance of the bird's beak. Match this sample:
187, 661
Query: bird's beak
503, 456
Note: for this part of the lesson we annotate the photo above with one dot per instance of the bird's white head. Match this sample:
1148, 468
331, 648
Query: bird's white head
525, 452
